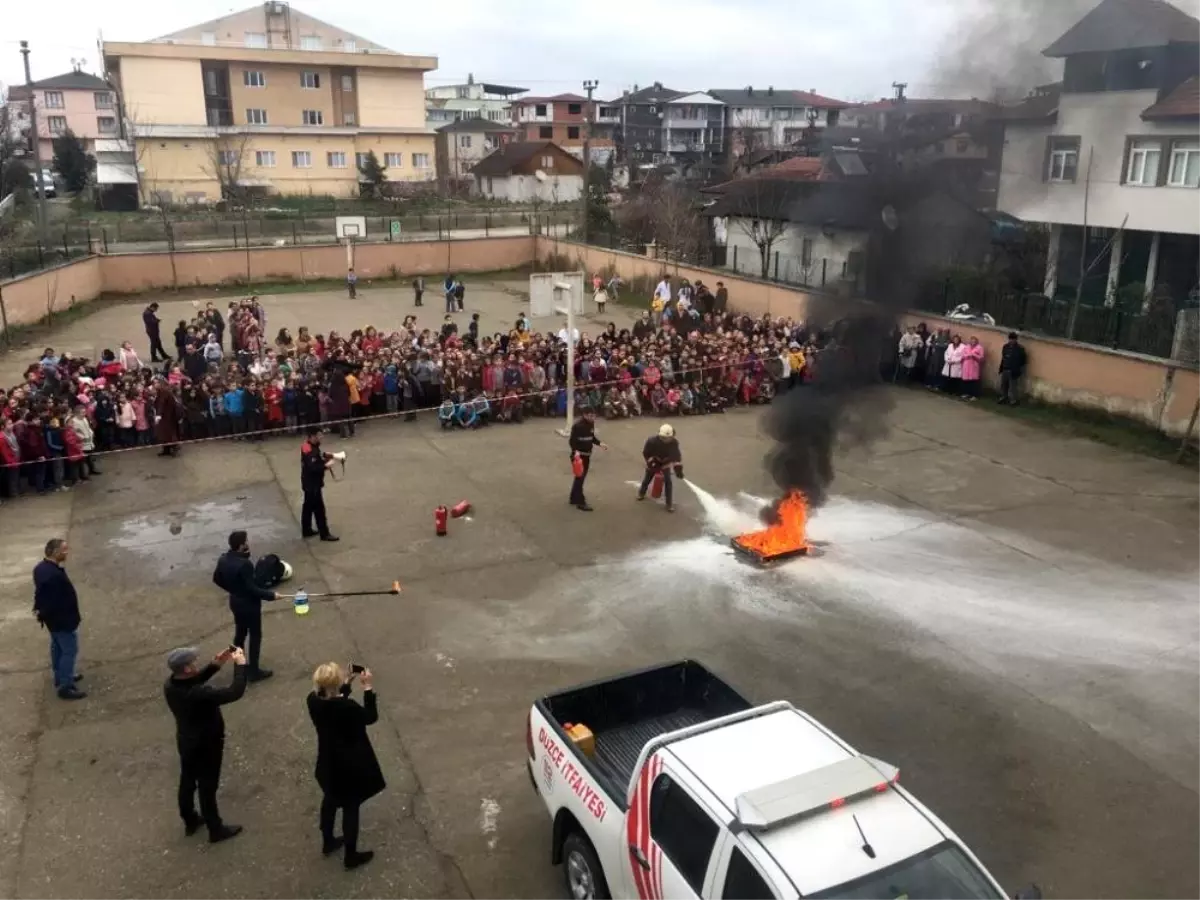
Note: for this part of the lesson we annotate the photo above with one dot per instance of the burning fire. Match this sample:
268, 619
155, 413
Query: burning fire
785, 537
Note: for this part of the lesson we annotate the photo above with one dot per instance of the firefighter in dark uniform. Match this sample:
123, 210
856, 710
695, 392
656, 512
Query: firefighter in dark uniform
313, 465
662, 455
583, 440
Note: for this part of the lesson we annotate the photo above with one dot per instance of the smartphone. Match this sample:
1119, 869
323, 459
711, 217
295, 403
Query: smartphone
232, 649
356, 669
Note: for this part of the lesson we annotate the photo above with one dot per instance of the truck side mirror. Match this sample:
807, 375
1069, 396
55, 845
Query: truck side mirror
1032, 892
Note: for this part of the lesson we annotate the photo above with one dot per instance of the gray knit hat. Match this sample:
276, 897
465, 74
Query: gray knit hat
181, 657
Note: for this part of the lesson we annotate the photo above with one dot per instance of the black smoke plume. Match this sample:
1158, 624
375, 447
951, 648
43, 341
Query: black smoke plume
847, 404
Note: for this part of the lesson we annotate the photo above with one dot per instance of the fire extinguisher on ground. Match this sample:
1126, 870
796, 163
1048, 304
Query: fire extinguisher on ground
440, 517
577, 465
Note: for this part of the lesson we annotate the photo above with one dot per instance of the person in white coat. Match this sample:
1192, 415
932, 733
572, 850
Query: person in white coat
952, 367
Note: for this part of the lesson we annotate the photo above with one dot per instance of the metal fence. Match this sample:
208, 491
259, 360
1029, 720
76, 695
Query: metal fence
149, 233
1150, 332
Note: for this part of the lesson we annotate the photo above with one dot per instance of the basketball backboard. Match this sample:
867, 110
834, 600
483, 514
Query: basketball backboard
350, 227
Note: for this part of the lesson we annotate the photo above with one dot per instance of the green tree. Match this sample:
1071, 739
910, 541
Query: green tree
15, 178
373, 174
600, 217
72, 161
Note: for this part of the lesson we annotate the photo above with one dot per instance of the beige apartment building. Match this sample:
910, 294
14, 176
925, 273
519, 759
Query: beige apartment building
272, 100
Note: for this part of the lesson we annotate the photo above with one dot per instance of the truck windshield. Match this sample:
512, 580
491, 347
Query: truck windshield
943, 872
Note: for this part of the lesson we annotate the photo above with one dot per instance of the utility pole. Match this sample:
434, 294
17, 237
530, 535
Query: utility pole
37, 147
589, 85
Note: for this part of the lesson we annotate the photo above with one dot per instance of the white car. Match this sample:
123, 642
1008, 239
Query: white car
690, 791
47, 180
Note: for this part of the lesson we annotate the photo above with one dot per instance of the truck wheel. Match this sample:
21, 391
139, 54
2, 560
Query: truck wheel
584, 876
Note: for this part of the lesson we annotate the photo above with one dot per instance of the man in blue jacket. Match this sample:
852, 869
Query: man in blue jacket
56, 606
235, 574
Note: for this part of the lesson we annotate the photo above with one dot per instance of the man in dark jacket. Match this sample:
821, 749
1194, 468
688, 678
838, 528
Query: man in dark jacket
200, 734
313, 465
583, 440
153, 324
235, 574
56, 606
1012, 366
662, 454
721, 302
216, 322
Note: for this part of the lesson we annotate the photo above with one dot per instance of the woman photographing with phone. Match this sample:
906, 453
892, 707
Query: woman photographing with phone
347, 769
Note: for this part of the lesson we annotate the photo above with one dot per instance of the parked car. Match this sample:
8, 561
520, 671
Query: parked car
47, 180
668, 783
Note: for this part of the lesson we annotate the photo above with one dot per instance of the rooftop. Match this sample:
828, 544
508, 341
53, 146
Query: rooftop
555, 98
820, 850
476, 124
80, 81
803, 201
1181, 103
1127, 25
501, 162
653, 93
772, 97
1041, 105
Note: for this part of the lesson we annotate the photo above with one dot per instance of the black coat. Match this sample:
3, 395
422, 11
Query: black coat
347, 769
235, 574
55, 602
1012, 358
312, 468
196, 705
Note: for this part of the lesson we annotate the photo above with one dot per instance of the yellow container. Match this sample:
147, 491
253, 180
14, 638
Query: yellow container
581, 736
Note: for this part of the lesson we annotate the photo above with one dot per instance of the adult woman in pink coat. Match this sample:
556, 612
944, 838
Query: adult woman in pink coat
952, 367
972, 366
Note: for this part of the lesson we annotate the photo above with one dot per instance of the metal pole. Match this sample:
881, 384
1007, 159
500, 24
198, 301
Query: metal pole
37, 147
4, 320
589, 85
561, 289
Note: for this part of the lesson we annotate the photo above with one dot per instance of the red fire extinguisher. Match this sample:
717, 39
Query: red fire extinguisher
440, 517
656, 486
577, 465
460, 509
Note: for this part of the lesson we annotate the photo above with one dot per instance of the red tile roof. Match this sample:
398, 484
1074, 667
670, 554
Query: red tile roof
557, 98
1181, 103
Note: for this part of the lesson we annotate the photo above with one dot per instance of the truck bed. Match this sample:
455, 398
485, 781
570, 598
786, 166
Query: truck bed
627, 712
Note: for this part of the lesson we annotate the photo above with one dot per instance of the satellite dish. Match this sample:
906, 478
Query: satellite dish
890, 220
540, 175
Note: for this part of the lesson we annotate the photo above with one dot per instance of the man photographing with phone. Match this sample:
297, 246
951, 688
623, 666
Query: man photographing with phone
235, 574
200, 733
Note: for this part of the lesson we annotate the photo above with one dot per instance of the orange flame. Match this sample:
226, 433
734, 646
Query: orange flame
785, 536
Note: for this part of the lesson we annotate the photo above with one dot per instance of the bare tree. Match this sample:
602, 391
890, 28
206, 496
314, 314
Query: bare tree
758, 208
225, 160
667, 214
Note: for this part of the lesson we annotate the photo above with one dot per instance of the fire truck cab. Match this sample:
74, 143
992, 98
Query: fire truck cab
677, 787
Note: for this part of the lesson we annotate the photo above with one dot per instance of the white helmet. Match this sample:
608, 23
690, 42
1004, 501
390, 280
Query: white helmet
287, 570
666, 431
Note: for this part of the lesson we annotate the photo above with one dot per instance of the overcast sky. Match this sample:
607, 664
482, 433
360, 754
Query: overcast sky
848, 49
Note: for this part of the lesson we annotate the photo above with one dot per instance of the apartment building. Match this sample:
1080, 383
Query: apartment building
1110, 158
463, 144
472, 100
563, 119
640, 135
76, 101
269, 100
757, 119
694, 128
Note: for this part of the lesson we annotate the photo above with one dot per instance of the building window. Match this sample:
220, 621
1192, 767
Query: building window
301, 159
546, 132
255, 39
349, 46
228, 157
57, 124
539, 109
490, 185
393, 160
310, 80
54, 100
264, 158
312, 117
256, 117
335, 159
360, 160
962, 146
104, 99
106, 124
1185, 164
1144, 159
208, 38
464, 141
420, 160
254, 79
348, 118
1063, 159
310, 42
806, 253
347, 84
572, 132
683, 830
547, 162
574, 109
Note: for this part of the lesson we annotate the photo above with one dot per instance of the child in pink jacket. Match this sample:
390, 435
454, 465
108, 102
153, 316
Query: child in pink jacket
972, 368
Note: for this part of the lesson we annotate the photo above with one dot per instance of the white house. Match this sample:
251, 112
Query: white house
1114, 152
529, 171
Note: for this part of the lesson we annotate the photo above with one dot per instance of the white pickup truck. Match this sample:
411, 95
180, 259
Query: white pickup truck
689, 791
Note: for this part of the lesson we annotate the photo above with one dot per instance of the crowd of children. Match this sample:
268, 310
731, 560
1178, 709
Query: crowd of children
251, 385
